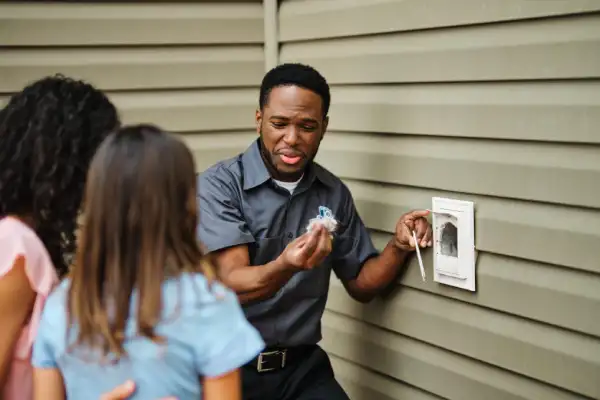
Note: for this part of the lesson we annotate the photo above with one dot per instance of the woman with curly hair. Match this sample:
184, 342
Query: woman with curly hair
48, 134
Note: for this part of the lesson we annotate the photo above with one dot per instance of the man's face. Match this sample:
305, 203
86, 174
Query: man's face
291, 127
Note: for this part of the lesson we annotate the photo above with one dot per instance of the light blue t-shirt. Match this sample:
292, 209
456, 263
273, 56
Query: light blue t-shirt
206, 335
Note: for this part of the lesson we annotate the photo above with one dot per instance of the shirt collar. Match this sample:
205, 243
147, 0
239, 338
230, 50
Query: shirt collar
256, 173
325, 177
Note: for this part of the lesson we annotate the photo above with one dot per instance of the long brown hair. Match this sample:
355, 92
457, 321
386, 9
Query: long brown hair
139, 228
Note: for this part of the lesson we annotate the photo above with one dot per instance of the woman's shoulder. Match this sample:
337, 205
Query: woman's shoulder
18, 239
17, 233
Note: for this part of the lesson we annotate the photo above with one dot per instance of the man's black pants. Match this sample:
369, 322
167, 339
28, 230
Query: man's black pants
307, 375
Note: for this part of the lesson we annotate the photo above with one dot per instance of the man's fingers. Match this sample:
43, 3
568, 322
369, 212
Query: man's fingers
313, 259
411, 217
411, 241
416, 221
405, 232
309, 246
121, 392
322, 250
428, 239
423, 232
302, 240
418, 214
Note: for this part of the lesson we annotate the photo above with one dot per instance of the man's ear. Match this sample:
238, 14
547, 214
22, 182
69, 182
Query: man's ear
325, 124
258, 120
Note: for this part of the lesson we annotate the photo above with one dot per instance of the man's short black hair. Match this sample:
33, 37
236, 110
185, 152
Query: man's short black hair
295, 74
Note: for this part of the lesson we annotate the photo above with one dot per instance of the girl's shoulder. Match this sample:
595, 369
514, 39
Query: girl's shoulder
189, 290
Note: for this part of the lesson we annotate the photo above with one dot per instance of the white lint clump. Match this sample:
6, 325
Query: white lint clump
324, 218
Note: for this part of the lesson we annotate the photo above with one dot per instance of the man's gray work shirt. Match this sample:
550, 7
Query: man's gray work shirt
240, 204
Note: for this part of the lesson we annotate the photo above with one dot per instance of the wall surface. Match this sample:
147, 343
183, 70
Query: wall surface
494, 101
192, 68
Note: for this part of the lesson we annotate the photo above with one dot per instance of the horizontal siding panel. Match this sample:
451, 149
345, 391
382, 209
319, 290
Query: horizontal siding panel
541, 232
558, 357
116, 24
433, 369
550, 172
215, 124
360, 17
186, 111
567, 111
539, 292
361, 384
136, 68
542, 49
210, 148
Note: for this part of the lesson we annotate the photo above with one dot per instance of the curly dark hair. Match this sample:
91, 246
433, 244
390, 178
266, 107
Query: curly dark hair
295, 74
49, 133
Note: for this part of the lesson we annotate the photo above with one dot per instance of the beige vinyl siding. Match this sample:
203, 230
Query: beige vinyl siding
494, 101
192, 68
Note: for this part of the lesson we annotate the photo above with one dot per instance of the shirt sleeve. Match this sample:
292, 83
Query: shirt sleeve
13, 246
222, 223
353, 245
15, 241
227, 339
43, 355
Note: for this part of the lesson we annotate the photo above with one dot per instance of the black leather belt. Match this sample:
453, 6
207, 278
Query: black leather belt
275, 359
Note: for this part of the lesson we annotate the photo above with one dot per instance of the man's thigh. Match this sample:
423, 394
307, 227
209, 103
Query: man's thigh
313, 379
327, 390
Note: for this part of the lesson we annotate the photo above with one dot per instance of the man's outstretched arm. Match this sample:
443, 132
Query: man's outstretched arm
377, 273
257, 282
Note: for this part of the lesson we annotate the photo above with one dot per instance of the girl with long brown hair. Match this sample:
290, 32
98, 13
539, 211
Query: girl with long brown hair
140, 303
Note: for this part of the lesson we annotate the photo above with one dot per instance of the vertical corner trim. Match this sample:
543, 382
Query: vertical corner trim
271, 45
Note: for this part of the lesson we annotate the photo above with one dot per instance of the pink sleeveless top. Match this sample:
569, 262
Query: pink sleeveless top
18, 239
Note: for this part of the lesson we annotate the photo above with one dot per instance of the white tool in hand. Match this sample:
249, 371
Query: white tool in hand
414, 235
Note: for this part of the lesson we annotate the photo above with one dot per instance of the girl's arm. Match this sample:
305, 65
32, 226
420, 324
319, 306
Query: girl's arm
16, 302
224, 387
48, 384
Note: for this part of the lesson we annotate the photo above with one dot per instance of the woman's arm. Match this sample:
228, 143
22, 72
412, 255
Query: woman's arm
224, 387
48, 384
16, 302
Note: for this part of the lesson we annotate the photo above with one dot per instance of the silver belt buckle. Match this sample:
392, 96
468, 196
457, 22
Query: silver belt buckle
260, 367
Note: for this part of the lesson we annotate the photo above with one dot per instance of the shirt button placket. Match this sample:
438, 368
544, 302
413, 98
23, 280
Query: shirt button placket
287, 239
